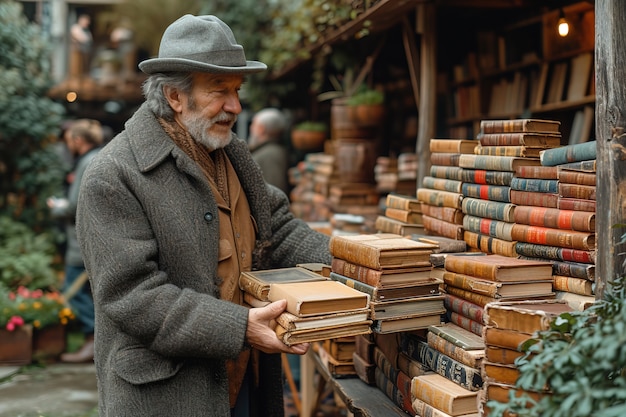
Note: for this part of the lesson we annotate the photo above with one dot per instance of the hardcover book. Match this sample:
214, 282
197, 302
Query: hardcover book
569, 153
446, 172
388, 225
258, 283
555, 218
506, 338
453, 145
443, 228
447, 214
389, 293
524, 316
502, 355
405, 324
547, 252
440, 198
489, 209
291, 337
537, 140
402, 202
500, 193
364, 370
444, 395
482, 176
574, 285
499, 268
579, 204
538, 172
337, 368
379, 251
442, 184
382, 277
575, 177
406, 216
502, 373
490, 244
446, 245
407, 307
498, 289
519, 151
528, 198
458, 336
539, 185
520, 125
472, 358
465, 322
554, 237
320, 297
412, 367
425, 410
464, 307
495, 163
292, 322
488, 227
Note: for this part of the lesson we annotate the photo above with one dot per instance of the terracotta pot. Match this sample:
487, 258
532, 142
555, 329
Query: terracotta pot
49, 342
308, 140
348, 122
16, 347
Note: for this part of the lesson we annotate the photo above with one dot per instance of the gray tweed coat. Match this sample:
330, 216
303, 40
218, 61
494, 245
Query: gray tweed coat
147, 226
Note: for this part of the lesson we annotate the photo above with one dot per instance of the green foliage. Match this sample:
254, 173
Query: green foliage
366, 96
311, 126
26, 258
28, 121
581, 359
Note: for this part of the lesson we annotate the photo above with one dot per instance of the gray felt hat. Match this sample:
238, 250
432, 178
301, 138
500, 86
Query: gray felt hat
200, 44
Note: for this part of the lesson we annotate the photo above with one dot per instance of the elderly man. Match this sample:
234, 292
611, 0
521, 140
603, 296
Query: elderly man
170, 212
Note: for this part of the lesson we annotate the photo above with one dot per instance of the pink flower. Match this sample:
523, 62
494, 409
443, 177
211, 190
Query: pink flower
14, 322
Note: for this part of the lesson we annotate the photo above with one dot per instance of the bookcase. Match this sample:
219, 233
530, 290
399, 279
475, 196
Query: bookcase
525, 69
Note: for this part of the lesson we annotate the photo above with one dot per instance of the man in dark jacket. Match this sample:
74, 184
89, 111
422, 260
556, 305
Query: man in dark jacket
170, 212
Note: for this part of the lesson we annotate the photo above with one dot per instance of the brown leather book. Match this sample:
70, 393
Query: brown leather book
499, 268
524, 316
258, 283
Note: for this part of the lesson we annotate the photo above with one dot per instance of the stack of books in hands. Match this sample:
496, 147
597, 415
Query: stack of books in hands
317, 307
508, 325
394, 272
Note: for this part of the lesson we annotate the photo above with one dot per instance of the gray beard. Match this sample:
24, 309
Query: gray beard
198, 128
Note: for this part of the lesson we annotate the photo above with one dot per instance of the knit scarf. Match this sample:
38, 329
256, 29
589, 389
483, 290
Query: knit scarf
212, 164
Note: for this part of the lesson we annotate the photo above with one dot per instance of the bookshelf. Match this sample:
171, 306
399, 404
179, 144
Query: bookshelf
525, 69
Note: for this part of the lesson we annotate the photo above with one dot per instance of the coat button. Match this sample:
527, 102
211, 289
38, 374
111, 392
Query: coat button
208, 216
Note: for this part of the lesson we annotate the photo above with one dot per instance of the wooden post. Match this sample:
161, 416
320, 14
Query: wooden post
610, 63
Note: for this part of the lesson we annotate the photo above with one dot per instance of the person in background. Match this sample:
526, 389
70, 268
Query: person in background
83, 139
82, 43
171, 211
266, 132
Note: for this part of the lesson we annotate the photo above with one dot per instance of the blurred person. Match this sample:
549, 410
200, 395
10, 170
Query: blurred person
83, 138
170, 212
82, 43
266, 132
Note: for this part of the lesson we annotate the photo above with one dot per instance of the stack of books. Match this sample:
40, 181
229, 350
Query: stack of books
311, 187
471, 282
407, 174
317, 308
402, 216
508, 325
440, 193
394, 272
337, 355
396, 175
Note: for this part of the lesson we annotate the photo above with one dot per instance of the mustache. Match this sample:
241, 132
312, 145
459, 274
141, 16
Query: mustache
224, 117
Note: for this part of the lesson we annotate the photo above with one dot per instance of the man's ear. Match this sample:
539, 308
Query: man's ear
174, 98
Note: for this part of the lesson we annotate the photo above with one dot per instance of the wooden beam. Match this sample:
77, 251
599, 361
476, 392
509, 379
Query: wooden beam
412, 57
610, 61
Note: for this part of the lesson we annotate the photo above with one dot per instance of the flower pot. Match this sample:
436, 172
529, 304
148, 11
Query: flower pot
48, 343
348, 123
16, 346
308, 140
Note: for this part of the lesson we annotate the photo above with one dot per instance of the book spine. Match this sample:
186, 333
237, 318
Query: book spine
505, 356
515, 320
358, 272
488, 162
488, 227
575, 177
489, 244
432, 395
490, 209
442, 228
517, 125
465, 322
487, 192
466, 308
555, 252
357, 285
447, 214
253, 286
463, 375
519, 139
582, 166
469, 283
442, 184
399, 202
439, 198
481, 176
574, 285
555, 218
404, 215
445, 159
553, 237
400, 380
455, 352
353, 252
535, 184
480, 299
447, 172
509, 339
538, 172
574, 269
423, 409
504, 374
446, 145
585, 192
389, 388
527, 198
519, 151
569, 153
576, 204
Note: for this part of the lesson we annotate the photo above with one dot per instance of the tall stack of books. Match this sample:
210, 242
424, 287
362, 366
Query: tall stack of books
508, 325
564, 231
394, 272
471, 282
396, 175
505, 145
402, 216
317, 308
311, 180
440, 193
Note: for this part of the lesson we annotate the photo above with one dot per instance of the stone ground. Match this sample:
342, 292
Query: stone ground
55, 390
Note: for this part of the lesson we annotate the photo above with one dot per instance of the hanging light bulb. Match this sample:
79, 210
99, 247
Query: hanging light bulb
562, 25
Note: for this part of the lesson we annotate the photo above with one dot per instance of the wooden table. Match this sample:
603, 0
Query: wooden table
361, 399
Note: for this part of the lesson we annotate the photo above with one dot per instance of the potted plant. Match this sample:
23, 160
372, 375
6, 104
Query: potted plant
367, 106
309, 135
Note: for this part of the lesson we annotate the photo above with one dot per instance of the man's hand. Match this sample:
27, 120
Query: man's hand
260, 335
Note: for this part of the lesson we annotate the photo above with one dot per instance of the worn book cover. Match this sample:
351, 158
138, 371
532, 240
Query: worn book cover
405, 324
292, 322
505, 338
364, 369
406, 216
291, 337
472, 357
520, 125
320, 297
388, 225
425, 410
258, 283
379, 251
406, 307
572, 239
458, 336
382, 277
498, 289
499, 268
403, 202
444, 394
452, 145
337, 368
391, 292
498, 372
555, 218
524, 316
